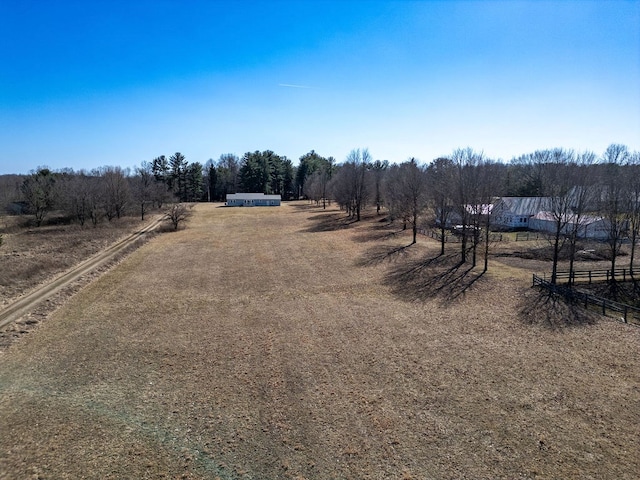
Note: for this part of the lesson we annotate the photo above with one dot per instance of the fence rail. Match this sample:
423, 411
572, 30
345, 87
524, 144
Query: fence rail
437, 236
627, 313
524, 236
594, 275
453, 238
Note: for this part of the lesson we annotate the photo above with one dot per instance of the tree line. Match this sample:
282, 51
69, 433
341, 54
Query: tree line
107, 193
463, 184
568, 185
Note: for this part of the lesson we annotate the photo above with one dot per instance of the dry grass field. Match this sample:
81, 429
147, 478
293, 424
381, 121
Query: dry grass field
33, 255
287, 343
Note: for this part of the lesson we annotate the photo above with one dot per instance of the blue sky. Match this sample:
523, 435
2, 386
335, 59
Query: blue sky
85, 84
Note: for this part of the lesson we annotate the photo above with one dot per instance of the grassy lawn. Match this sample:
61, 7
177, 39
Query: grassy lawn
277, 343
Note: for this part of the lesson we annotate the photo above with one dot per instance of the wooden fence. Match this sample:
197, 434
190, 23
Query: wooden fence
452, 238
524, 236
626, 313
589, 276
437, 236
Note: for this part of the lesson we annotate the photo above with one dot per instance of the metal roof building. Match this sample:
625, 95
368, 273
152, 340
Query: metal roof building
515, 212
252, 200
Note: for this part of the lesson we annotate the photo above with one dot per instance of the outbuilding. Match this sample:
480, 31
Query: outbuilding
252, 200
587, 226
515, 212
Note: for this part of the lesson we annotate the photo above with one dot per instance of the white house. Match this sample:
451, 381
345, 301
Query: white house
252, 200
589, 226
515, 212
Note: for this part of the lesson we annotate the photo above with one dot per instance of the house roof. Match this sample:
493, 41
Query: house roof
251, 196
584, 220
522, 205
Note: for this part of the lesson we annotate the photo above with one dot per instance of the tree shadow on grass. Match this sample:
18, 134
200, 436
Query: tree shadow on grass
627, 292
378, 234
329, 222
304, 206
553, 311
442, 277
381, 230
382, 253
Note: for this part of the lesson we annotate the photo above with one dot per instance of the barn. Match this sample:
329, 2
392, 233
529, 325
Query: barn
588, 226
515, 212
252, 200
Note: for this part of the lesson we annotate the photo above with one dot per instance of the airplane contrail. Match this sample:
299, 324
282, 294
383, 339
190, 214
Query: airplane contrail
290, 85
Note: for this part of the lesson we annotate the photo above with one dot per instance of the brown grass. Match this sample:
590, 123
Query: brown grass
30, 256
287, 342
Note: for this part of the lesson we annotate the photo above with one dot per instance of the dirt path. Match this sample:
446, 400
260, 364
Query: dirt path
20, 307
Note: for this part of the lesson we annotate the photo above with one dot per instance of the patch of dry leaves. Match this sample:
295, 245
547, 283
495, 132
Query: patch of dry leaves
289, 343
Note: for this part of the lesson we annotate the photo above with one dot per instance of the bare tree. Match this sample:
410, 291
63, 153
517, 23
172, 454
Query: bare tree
440, 175
178, 213
528, 174
393, 195
465, 194
558, 187
76, 196
350, 184
326, 172
361, 160
407, 188
490, 180
614, 200
633, 177
340, 187
582, 197
143, 188
96, 199
117, 193
314, 186
329, 169
566, 181
10, 189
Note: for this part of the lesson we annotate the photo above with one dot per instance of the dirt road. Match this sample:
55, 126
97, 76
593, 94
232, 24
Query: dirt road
18, 308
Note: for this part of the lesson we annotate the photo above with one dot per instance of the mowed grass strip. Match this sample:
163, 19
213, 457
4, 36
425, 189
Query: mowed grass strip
289, 343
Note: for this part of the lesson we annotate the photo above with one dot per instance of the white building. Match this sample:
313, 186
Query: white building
515, 212
252, 200
588, 226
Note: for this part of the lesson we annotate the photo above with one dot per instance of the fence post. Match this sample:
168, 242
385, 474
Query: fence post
604, 307
625, 314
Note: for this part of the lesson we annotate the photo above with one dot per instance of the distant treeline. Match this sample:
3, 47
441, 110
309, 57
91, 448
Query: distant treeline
463, 184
